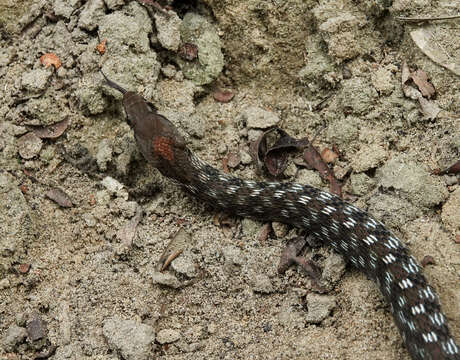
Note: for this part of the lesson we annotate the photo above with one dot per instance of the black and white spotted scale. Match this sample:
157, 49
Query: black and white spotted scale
365, 242
362, 240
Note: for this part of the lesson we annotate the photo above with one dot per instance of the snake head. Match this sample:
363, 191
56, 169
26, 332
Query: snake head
156, 136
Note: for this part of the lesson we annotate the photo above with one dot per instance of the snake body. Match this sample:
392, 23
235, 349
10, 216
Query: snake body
365, 242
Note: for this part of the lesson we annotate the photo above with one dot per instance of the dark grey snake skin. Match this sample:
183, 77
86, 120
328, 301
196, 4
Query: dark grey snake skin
364, 241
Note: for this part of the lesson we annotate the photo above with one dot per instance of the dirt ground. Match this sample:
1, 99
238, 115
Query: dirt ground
84, 220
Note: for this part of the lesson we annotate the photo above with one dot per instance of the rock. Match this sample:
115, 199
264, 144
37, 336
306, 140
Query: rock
393, 211
46, 110
184, 265
451, 211
69, 352
165, 279
309, 177
133, 341
29, 145
104, 154
91, 15
279, 229
14, 336
89, 220
358, 95
232, 255
115, 187
197, 30
169, 71
114, 4
361, 184
412, 181
319, 307
36, 80
4, 284
127, 30
17, 228
167, 336
343, 131
246, 159
257, 118
334, 268
64, 8
168, 27
89, 95
382, 79
250, 227
368, 157
261, 283
36, 328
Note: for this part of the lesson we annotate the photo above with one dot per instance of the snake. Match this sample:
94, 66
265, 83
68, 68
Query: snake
362, 240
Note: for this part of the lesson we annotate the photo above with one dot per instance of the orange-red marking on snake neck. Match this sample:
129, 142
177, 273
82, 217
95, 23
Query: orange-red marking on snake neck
162, 146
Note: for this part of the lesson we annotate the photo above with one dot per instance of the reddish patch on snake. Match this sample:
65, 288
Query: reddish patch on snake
162, 147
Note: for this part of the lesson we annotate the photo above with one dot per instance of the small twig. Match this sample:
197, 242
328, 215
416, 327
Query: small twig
416, 19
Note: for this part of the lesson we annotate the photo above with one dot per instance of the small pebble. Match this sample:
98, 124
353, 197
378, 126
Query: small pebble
29, 145
167, 336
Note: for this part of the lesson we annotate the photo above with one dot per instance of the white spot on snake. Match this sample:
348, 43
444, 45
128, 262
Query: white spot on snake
389, 259
296, 188
418, 309
203, 177
285, 213
437, 319
411, 325
430, 337
401, 301
279, 194
449, 347
353, 260
328, 209
255, 192
306, 221
370, 239
388, 277
370, 224
323, 196
406, 283
427, 293
304, 199
232, 189
335, 226
350, 223
393, 242
223, 177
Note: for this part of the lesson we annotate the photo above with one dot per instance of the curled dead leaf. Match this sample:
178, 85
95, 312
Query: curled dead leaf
328, 155
49, 59
223, 96
59, 197
50, 131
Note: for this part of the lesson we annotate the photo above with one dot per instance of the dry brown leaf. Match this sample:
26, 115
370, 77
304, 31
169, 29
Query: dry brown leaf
328, 155
101, 47
127, 233
59, 197
50, 131
51, 59
223, 96
422, 38
428, 108
420, 79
